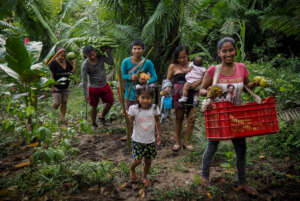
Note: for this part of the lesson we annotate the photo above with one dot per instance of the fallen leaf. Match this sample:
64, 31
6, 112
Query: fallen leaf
261, 156
107, 133
141, 193
209, 195
287, 158
93, 188
102, 190
123, 186
289, 176
5, 173
34, 144
221, 180
22, 164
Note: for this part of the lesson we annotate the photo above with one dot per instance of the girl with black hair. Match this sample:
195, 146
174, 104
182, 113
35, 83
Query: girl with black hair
144, 120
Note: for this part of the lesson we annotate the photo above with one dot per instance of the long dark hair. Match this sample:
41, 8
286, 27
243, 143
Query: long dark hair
176, 52
151, 91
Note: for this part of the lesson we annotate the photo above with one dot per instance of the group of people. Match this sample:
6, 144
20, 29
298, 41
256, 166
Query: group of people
185, 81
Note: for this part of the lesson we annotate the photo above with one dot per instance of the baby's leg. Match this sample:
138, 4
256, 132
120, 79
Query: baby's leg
185, 92
186, 88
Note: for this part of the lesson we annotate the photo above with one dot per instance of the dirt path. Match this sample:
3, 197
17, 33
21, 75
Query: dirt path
167, 169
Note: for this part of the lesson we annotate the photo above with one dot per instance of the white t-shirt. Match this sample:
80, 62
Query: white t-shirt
144, 123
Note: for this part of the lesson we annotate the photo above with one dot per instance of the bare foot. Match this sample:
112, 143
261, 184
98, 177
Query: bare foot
133, 176
146, 182
205, 181
188, 147
124, 138
248, 189
176, 147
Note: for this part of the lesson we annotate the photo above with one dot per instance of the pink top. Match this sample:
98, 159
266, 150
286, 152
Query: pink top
195, 74
233, 85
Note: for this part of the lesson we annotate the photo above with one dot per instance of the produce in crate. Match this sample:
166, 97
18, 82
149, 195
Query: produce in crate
214, 92
261, 81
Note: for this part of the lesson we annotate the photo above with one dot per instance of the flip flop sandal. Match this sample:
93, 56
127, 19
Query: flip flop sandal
176, 147
248, 189
188, 147
133, 179
205, 182
124, 138
146, 182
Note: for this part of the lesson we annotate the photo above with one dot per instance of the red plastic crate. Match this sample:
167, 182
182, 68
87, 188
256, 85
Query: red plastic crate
227, 121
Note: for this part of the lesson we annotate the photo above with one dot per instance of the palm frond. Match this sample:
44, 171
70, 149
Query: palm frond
5, 25
165, 16
43, 22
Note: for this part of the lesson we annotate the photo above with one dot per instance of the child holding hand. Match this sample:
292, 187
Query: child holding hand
144, 120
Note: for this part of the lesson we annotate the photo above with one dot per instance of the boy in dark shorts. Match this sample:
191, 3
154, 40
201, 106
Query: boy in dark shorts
93, 68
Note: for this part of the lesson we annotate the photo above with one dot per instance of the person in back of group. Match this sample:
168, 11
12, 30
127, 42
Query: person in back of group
60, 70
130, 66
195, 75
144, 121
93, 68
232, 79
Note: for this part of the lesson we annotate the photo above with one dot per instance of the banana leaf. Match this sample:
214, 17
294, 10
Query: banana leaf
17, 56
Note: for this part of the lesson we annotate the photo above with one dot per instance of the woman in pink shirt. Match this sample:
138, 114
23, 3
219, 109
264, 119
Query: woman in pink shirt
233, 76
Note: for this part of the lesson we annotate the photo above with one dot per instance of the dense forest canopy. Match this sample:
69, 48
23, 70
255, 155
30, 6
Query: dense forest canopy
264, 29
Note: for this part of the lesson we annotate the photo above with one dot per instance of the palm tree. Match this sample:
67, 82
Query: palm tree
158, 22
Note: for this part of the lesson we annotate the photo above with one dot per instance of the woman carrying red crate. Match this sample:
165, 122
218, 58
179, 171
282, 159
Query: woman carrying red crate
236, 75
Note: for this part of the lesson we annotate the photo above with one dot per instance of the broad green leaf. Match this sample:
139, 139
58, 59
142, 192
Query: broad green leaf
46, 82
34, 49
16, 55
282, 89
30, 111
9, 71
18, 96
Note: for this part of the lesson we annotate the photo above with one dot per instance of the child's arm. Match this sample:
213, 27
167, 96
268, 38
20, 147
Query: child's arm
131, 119
158, 127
